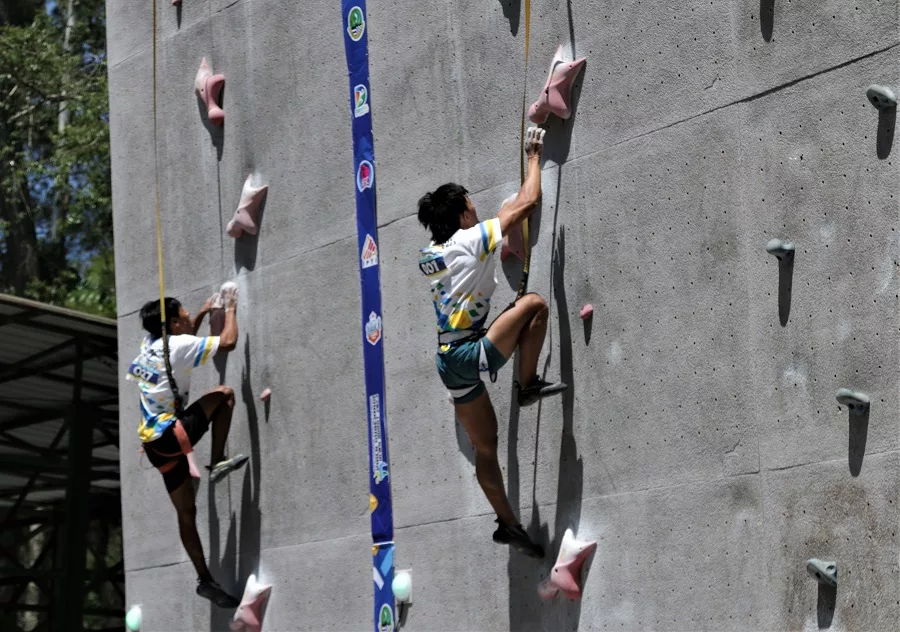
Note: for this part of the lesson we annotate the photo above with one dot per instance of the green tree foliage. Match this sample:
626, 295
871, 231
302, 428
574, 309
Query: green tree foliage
55, 197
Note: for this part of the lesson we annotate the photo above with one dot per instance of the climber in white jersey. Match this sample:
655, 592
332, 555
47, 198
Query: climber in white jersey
460, 264
168, 432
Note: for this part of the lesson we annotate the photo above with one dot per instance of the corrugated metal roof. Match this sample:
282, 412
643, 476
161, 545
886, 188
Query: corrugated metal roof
40, 348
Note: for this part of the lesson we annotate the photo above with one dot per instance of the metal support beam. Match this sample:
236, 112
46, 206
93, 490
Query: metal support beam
69, 593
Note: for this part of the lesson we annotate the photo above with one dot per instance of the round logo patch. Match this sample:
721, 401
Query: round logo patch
365, 176
356, 24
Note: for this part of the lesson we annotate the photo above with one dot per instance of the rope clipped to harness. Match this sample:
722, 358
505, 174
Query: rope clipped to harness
179, 410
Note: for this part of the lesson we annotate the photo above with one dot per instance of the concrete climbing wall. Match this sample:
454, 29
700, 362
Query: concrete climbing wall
701, 443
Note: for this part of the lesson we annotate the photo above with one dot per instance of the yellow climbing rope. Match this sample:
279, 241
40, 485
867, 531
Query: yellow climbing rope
159, 246
523, 283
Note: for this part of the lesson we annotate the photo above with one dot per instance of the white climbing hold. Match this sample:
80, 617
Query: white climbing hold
824, 572
854, 400
881, 97
783, 250
266, 395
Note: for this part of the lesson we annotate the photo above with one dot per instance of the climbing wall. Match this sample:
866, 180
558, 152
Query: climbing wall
700, 443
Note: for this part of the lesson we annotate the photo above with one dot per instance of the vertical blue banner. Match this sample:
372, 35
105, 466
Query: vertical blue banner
356, 45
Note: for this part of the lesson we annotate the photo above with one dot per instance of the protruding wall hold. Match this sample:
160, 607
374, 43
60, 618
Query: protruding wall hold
133, 618
266, 395
247, 214
402, 586
566, 574
783, 250
176, 3
854, 400
881, 97
208, 87
587, 311
824, 572
556, 98
249, 614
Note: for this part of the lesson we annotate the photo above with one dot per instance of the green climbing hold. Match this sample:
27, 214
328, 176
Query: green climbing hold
133, 619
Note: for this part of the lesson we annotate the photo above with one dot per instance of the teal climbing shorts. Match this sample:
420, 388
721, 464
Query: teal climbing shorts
459, 368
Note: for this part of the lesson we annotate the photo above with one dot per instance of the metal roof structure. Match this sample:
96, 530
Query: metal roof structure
59, 455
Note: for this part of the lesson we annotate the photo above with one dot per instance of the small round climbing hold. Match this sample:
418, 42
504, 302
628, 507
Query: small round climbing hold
587, 311
854, 400
881, 97
266, 395
783, 250
133, 619
402, 586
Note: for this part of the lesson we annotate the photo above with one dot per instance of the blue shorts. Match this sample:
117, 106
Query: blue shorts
458, 367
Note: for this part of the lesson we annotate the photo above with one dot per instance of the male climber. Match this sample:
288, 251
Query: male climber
460, 264
167, 436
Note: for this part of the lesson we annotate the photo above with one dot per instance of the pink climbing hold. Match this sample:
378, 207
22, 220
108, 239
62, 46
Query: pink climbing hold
556, 97
249, 614
247, 213
176, 3
266, 395
587, 311
208, 87
566, 573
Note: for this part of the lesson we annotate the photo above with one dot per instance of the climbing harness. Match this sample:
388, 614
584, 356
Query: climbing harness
356, 48
471, 335
184, 442
523, 283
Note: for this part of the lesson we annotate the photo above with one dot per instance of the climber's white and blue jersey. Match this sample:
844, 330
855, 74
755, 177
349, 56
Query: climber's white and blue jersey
149, 371
463, 278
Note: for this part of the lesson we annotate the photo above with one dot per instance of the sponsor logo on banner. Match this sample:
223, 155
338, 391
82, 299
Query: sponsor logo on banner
386, 620
373, 329
369, 253
356, 24
365, 176
379, 466
360, 100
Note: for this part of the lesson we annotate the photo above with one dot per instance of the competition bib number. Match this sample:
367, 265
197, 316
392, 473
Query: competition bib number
432, 266
143, 373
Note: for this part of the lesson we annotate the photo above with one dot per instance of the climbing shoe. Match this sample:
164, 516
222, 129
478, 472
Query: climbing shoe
515, 536
538, 389
226, 467
216, 594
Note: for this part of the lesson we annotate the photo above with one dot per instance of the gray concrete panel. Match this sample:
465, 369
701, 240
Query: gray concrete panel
187, 185
700, 441
819, 511
417, 108
130, 28
314, 368
812, 176
779, 42
310, 200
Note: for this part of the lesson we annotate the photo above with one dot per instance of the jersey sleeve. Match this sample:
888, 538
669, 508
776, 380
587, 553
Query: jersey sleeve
484, 238
192, 351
